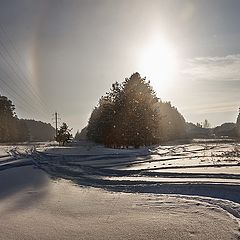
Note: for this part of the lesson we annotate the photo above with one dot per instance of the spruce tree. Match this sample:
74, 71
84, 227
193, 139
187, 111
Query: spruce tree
63, 134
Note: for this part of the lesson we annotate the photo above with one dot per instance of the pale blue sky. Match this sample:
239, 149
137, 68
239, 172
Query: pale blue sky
68, 52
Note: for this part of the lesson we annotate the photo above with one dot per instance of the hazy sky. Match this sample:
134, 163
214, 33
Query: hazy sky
68, 53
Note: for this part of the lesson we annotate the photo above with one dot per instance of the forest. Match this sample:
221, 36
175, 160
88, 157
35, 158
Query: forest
13, 129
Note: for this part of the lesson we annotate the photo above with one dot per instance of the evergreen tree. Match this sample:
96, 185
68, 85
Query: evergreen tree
130, 114
137, 112
8, 128
64, 134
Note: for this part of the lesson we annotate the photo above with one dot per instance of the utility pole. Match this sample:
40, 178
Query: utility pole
56, 121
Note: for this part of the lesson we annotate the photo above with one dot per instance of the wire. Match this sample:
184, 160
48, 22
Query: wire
13, 90
29, 85
24, 104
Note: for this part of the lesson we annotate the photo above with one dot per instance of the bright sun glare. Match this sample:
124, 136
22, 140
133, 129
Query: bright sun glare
158, 63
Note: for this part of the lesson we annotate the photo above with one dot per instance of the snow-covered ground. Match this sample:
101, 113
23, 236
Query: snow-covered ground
186, 191
36, 207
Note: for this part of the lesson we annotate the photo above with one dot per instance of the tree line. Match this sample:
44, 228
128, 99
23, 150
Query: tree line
13, 129
130, 114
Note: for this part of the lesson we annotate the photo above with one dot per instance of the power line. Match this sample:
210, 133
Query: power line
18, 98
15, 83
30, 87
17, 93
9, 65
23, 62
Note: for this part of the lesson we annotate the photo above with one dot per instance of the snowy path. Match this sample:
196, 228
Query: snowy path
35, 207
190, 172
207, 175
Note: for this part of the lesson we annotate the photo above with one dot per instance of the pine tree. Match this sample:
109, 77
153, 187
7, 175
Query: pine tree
138, 120
8, 126
130, 114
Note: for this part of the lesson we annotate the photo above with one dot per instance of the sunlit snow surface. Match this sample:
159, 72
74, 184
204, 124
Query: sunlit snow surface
206, 173
88, 164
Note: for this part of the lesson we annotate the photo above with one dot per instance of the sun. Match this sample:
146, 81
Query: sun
158, 62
